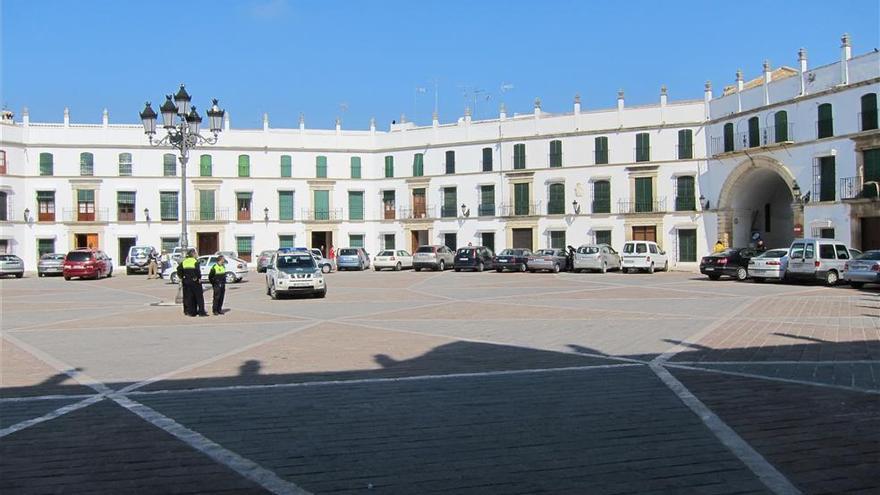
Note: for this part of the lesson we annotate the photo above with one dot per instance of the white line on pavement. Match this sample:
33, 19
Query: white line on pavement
36, 398
61, 411
811, 363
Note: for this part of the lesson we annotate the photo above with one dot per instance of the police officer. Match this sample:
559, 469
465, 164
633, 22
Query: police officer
190, 277
217, 278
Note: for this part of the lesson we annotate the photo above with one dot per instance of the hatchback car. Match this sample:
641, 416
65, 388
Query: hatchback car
817, 259
770, 264
294, 273
512, 259
236, 269
433, 257
643, 255
598, 257
50, 264
11, 264
263, 260
477, 258
863, 270
553, 260
87, 263
732, 262
326, 265
352, 258
393, 259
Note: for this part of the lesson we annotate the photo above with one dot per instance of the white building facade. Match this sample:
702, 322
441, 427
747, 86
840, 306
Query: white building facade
683, 173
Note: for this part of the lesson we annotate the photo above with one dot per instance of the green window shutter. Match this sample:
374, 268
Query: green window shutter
557, 239
86, 164
643, 147
355, 167
285, 241
685, 144
556, 203
869, 111
825, 124
168, 206
872, 164
780, 127
169, 243
389, 166
828, 179
603, 237
321, 167
244, 166
487, 159
687, 245
519, 156
206, 166
556, 153
487, 201
169, 165
644, 194
602, 196
355, 205
418, 165
47, 164
356, 240
601, 150
85, 195
322, 205
244, 246
285, 205
521, 199
286, 166
206, 204
125, 197
450, 162
754, 132
125, 164
684, 194
45, 246
450, 202
728, 137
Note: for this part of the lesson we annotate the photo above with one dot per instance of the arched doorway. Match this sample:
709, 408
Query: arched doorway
757, 197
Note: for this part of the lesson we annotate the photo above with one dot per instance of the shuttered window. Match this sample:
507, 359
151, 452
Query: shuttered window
86, 164
643, 147
825, 123
169, 243
285, 205
556, 153
206, 204
557, 239
684, 194
728, 137
754, 132
285, 241
125, 201
389, 166
556, 203
521, 199
487, 201
601, 144
450, 162
687, 245
355, 167
322, 205
872, 164
356, 240
286, 166
827, 179
519, 156
644, 194
168, 207
355, 205
47, 164
450, 202
206, 166
169, 165
602, 196
418, 165
487, 159
603, 237
244, 246
869, 111
321, 167
685, 144
124, 164
244, 166
780, 127
45, 246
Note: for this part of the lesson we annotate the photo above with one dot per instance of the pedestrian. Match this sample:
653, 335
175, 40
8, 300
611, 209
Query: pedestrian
332, 253
217, 278
761, 247
152, 266
719, 246
190, 276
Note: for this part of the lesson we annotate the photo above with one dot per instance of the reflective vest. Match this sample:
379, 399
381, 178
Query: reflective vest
219, 269
188, 263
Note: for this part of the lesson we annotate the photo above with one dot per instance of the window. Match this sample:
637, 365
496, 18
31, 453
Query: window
450, 202
754, 132
643, 233
825, 124
389, 166
321, 167
826, 251
45, 246
389, 205
487, 201
869, 111
643, 147
86, 164
519, 156
687, 245
322, 204
244, 166
487, 159
826, 233
602, 196
556, 202
603, 237
206, 204
644, 194
243, 205
169, 243
285, 205
521, 199
169, 165
4, 207
355, 205
286, 166
168, 206
47, 165
419, 206
685, 144
45, 206
871, 160
487, 239
450, 162
809, 251
780, 127
356, 240
2, 162
125, 164
557, 239
355, 167
206, 166
684, 194
841, 250
85, 205
244, 246
285, 241
125, 206
418, 165
601, 150
388, 241
450, 241
556, 153
824, 178
728, 137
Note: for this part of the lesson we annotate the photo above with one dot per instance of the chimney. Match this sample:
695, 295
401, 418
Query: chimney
707, 97
105, 118
577, 104
66, 117
845, 55
620, 107
338, 126
502, 112
372, 125
467, 115
767, 77
435, 119
739, 88
226, 121
802, 59
537, 108
265, 121
663, 95
25, 117
302, 123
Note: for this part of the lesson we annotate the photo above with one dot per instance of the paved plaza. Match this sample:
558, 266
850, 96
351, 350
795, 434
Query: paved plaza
404, 382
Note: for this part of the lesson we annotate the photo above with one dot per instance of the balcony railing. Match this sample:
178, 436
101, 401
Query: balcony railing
520, 209
388, 210
766, 136
857, 188
91, 215
244, 215
447, 211
685, 203
600, 206
216, 215
634, 207
322, 215
417, 213
486, 210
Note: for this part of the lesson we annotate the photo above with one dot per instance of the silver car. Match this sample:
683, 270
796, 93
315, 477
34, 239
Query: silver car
863, 270
433, 257
50, 264
294, 273
11, 264
553, 260
770, 264
326, 265
599, 257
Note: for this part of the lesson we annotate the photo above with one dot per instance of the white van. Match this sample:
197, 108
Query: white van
821, 259
643, 255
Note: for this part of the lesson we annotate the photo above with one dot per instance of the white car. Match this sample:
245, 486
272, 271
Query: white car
294, 273
600, 257
236, 269
324, 264
643, 255
395, 260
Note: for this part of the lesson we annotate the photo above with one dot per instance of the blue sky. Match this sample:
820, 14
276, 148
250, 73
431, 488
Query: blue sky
286, 57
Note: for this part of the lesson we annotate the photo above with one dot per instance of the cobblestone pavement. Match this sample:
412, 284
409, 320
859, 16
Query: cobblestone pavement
404, 382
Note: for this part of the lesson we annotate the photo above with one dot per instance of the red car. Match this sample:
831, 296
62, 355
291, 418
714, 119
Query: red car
87, 263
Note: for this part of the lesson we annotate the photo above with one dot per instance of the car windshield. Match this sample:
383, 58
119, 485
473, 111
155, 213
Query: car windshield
506, 252
140, 251
870, 255
8, 257
545, 252
52, 257
267, 253
348, 252
466, 252
774, 253
425, 249
290, 262
728, 252
79, 256
589, 249
386, 253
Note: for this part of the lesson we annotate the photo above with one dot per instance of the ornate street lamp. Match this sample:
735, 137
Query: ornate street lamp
181, 122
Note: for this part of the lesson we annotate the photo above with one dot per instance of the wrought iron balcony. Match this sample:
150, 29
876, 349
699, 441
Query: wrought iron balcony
858, 188
86, 215
601, 206
765, 136
416, 213
520, 209
627, 207
215, 215
449, 211
486, 210
322, 215
685, 203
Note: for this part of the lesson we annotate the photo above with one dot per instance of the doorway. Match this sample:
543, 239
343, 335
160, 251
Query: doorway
870, 233
89, 241
488, 240
124, 244
207, 242
322, 240
645, 233
450, 241
522, 239
419, 238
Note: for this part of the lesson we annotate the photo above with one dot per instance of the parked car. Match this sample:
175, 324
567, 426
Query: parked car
263, 260
512, 259
393, 259
11, 264
732, 262
863, 270
326, 265
236, 269
352, 259
87, 263
643, 255
476, 258
599, 257
553, 260
50, 264
854, 253
817, 259
770, 264
228, 254
433, 257
177, 254
138, 259
294, 273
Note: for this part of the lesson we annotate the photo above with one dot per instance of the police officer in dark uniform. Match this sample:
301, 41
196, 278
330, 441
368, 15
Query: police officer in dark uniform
217, 278
190, 277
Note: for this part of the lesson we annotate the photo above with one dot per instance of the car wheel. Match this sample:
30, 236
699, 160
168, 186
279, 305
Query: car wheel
651, 268
322, 294
441, 266
625, 270
499, 270
604, 268
128, 271
325, 268
417, 269
666, 266
857, 285
714, 277
230, 278
398, 266
741, 274
272, 292
19, 275
457, 270
522, 267
110, 273
480, 267
831, 278
175, 278
556, 268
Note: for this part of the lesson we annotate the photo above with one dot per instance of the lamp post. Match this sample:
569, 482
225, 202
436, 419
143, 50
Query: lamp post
181, 123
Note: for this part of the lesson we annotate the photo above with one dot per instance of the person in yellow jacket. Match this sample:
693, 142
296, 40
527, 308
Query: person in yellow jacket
719, 246
217, 278
190, 275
